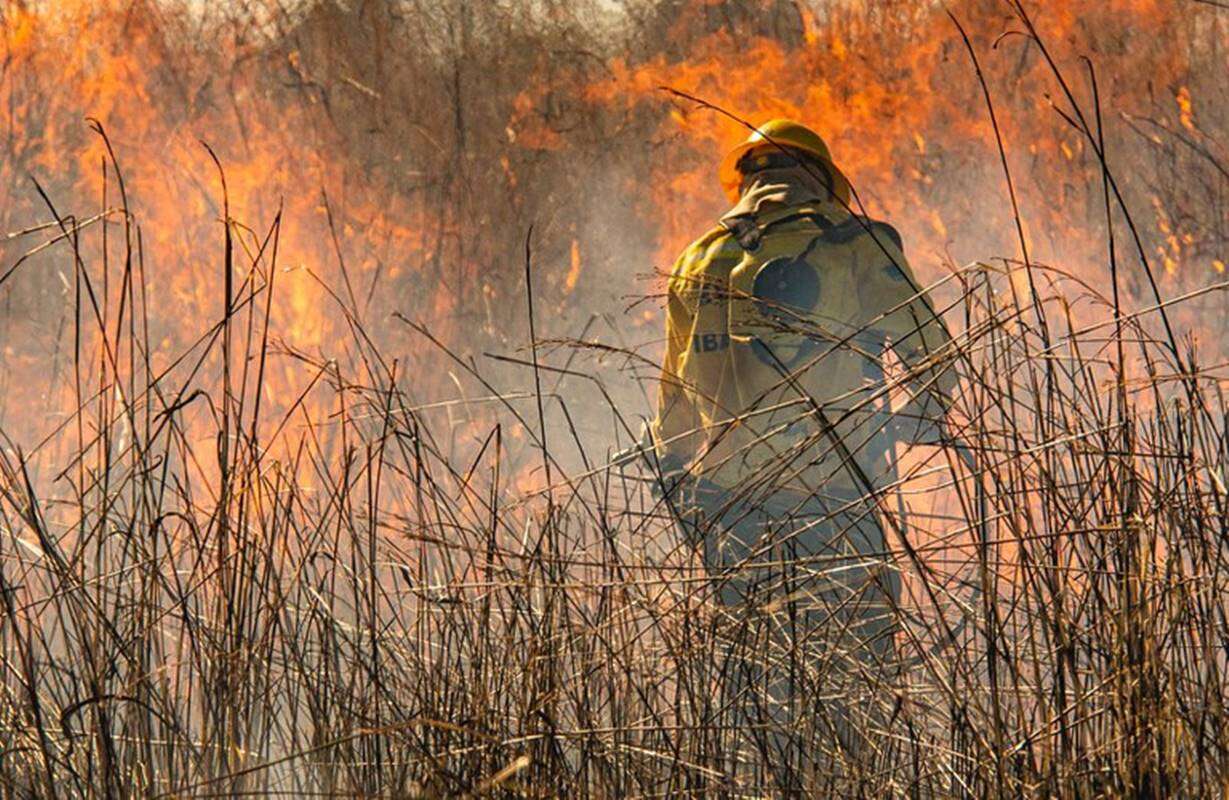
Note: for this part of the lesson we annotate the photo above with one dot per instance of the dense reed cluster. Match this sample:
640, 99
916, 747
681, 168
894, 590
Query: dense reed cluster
207, 598
315, 497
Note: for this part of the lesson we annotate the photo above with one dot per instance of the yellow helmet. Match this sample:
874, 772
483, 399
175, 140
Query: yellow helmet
781, 133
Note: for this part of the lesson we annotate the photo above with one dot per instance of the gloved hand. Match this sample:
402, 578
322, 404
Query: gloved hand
644, 451
668, 471
628, 455
641, 450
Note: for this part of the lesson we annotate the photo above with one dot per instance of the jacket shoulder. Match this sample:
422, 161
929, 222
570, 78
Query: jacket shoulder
856, 226
714, 244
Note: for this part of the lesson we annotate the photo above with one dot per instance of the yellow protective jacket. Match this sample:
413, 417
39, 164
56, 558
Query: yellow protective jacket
777, 321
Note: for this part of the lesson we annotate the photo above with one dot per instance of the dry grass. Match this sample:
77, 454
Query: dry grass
363, 615
355, 591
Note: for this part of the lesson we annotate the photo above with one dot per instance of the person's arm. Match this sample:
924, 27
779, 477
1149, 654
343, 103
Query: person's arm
676, 426
916, 335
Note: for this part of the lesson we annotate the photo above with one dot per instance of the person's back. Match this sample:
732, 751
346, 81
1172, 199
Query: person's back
773, 430
777, 322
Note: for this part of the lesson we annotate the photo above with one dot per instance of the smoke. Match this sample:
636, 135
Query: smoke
410, 151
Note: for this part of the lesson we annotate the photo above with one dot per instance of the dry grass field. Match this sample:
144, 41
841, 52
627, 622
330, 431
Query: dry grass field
320, 323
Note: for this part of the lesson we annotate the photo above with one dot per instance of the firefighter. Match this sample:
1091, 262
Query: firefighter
773, 432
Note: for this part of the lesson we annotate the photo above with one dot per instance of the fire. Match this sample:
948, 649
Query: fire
569, 282
132, 72
422, 208
905, 120
1186, 114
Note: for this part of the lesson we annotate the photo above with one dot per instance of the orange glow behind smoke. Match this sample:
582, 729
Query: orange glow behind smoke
878, 109
116, 63
106, 58
889, 85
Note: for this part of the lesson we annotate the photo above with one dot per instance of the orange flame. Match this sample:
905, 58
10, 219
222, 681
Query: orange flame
888, 84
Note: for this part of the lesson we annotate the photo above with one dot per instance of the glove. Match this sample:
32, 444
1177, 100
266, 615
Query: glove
672, 471
641, 449
668, 470
628, 455
645, 451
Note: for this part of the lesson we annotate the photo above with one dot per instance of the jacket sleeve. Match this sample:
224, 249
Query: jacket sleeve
676, 428
902, 316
